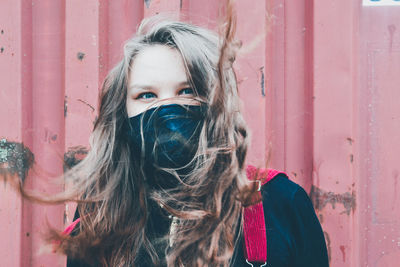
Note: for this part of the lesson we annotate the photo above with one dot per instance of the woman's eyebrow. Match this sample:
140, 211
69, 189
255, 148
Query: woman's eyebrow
184, 84
148, 86
141, 86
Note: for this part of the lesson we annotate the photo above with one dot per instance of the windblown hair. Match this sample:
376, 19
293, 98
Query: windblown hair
110, 190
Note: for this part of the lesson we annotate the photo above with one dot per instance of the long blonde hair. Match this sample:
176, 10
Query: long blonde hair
109, 186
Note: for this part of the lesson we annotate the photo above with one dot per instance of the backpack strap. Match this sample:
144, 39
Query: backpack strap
71, 227
255, 235
67, 231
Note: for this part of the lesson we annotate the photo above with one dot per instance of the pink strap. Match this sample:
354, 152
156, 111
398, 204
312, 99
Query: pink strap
255, 235
71, 227
67, 231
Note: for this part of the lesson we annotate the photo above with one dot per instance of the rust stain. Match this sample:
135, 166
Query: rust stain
342, 249
321, 198
15, 158
74, 156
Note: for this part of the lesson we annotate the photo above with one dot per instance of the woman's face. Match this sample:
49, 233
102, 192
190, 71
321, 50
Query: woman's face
157, 77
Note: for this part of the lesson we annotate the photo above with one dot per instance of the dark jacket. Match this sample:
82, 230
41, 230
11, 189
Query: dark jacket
294, 234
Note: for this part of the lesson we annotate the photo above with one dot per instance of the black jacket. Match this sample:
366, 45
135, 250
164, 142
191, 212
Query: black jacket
294, 234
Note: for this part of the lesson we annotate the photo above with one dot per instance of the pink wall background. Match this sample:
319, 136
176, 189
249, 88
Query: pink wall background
319, 82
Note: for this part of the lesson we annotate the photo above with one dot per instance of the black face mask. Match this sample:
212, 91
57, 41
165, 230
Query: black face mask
171, 137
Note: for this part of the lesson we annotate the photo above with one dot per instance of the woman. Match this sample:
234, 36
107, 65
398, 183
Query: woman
164, 183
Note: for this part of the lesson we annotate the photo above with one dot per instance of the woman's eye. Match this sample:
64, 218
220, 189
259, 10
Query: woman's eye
186, 91
147, 95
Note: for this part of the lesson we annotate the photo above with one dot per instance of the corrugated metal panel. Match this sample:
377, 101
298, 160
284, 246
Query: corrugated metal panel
319, 83
378, 97
334, 77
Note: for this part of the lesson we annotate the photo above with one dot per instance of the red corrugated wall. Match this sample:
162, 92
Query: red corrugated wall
320, 87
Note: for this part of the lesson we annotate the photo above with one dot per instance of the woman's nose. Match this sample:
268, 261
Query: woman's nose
178, 100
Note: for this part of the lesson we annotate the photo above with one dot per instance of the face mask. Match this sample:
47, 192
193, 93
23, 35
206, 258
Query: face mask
170, 140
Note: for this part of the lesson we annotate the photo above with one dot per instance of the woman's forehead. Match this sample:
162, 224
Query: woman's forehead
157, 64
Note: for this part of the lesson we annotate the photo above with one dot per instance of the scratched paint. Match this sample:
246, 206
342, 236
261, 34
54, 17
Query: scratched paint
15, 158
74, 156
262, 82
80, 55
87, 104
321, 198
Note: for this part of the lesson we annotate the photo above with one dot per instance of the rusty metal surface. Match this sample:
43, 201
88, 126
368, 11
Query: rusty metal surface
319, 83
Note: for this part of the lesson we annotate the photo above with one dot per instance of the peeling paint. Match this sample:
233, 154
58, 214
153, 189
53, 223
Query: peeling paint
15, 158
1, 49
147, 2
262, 81
321, 198
80, 55
74, 156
